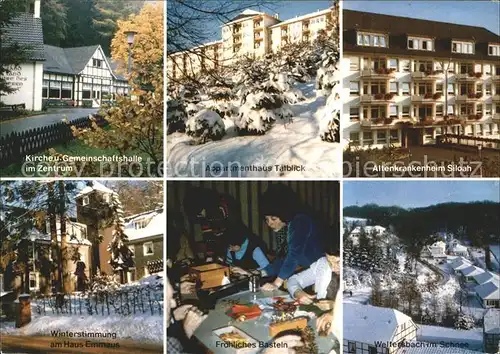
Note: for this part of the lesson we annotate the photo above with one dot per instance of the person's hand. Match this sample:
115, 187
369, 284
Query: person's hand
303, 297
193, 320
239, 270
269, 287
187, 287
181, 312
324, 322
325, 305
286, 345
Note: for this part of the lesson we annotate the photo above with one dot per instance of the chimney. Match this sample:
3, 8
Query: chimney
36, 12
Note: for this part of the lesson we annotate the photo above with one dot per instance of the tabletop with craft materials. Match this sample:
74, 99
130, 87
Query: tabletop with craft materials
247, 321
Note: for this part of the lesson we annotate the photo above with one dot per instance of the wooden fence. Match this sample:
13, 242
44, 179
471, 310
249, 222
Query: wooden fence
15, 146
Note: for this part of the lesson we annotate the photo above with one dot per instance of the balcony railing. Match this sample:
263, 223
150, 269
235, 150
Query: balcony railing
470, 76
376, 122
380, 72
428, 97
379, 97
470, 117
470, 97
423, 75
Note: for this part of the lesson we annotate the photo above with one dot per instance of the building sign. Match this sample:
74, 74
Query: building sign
15, 77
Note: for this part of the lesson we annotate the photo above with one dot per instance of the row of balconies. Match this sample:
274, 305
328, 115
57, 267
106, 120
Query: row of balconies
428, 97
428, 121
420, 75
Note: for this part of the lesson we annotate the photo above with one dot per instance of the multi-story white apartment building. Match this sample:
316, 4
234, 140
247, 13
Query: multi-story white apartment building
251, 34
406, 81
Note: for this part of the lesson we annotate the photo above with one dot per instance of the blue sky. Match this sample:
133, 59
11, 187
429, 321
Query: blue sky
475, 13
412, 194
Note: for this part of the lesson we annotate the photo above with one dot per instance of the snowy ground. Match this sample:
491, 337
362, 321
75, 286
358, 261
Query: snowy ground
297, 143
137, 327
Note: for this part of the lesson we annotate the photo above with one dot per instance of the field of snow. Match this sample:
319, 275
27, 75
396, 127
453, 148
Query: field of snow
297, 143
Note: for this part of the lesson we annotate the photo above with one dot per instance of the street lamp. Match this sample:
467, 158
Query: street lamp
130, 40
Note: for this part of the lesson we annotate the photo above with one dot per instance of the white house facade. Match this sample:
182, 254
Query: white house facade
54, 76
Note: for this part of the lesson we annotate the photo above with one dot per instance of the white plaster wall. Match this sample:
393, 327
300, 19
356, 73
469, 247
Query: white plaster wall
28, 79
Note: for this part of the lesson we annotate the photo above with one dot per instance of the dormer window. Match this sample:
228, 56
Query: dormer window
494, 50
140, 224
462, 47
372, 40
418, 43
85, 201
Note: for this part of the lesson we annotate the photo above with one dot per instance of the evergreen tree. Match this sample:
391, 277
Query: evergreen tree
121, 257
176, 115
79, 27
377, 294
54, 13
204, 126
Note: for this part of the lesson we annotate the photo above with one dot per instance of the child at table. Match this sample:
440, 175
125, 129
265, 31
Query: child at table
245, 251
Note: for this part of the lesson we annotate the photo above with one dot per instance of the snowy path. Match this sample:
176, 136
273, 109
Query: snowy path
297, 143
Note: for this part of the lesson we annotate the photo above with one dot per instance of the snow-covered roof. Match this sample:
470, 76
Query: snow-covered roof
471, 270
488, 291
419, 347
96, 186
460, 263
72, 236
491, 321
303, 17
438, 244
486, 277
370, 324
368, 229
154, 225
458, 248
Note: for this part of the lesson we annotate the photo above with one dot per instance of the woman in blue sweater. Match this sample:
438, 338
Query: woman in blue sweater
281, 208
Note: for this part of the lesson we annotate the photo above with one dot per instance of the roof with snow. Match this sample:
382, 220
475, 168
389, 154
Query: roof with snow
96, 186
303, 17
488, 291
460, 263
419, 347
486, 277
145, 225
492, 321
368, 229
458, 248
438, 244
471, 270
370, 324
72, 229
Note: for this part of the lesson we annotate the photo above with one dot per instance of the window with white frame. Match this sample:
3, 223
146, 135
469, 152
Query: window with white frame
439, 88
354, 138
462, 47
451, 89
417, 43
140, 224
354, 87
451, 110
487, 69
354, 113
354, 63
148, 248
494, 50
372, 39
487, 89
439, 110
487, 109
405, 65
85, 200
406, 111
393, 111
405, 88
393, 86
393, 63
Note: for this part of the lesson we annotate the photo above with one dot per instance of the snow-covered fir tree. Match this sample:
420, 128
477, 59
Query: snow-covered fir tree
204, 126
176, 115
218, 88
121, 257
261, 99
465, 322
